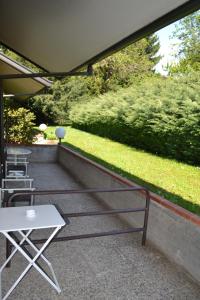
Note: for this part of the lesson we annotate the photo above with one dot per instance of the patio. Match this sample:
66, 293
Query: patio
116, 267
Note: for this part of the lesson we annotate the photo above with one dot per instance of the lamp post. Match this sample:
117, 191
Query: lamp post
60, 133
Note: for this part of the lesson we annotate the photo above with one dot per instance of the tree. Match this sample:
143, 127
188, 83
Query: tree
153, 48
187, 32
121, 69
19, 125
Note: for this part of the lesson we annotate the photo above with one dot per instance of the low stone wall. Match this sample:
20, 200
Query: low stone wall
172, 229
41, 153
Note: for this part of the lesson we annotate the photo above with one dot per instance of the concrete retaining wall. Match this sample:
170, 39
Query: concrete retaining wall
172, 229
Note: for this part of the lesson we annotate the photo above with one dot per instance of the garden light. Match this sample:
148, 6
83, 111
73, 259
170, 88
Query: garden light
60, 133
43, 127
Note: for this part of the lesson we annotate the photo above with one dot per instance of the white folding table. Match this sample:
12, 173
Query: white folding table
15, 219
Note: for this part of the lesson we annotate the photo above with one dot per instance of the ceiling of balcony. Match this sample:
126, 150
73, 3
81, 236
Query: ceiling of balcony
61, 36
21, 88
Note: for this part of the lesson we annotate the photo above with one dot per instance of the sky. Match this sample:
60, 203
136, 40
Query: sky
167, 48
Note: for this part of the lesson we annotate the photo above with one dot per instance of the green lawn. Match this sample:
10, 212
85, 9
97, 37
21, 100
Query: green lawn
178, 182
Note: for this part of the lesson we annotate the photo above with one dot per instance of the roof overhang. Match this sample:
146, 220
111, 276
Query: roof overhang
64, 35
20, 88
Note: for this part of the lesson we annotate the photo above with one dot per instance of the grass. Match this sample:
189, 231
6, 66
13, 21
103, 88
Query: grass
176, 181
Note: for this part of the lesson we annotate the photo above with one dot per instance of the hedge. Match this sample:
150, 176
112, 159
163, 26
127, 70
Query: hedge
160, 115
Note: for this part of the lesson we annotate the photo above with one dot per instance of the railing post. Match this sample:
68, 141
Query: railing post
146, 216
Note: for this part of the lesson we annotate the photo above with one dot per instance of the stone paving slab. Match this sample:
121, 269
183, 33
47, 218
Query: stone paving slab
103, 268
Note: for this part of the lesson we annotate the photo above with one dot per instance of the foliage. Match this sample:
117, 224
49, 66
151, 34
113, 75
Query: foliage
119, 70
187, 33
19, 123
123, 67
14, 56
46, 109
153, 48
159, 115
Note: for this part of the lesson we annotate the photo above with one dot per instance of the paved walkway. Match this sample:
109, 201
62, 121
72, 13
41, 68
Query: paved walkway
106, 268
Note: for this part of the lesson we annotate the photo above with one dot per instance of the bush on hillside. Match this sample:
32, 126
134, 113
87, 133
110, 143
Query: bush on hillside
159, 115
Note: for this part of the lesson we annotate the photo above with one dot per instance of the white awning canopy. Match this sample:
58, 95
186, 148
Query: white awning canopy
63, 35
21, 88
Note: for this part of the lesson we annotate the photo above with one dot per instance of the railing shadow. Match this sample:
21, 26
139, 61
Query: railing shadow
177, 199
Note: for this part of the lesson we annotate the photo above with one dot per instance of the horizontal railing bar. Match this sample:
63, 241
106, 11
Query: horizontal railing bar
91, 213
103, 212
89, 235
83, 191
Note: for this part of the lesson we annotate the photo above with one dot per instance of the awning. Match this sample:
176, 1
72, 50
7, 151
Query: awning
63, 35
21, 88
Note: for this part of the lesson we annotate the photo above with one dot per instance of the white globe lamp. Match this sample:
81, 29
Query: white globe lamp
43, 127
60, 133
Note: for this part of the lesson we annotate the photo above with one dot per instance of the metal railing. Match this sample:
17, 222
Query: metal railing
144, 209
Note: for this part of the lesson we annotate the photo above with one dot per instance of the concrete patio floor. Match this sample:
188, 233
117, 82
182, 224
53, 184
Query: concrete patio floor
102, 268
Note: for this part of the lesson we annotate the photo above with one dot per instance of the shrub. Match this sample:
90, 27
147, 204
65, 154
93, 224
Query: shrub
159, 115
19, 124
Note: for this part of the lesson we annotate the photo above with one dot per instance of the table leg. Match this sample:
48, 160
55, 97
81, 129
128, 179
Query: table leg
11, 254
42, 256
32, 261
10, 257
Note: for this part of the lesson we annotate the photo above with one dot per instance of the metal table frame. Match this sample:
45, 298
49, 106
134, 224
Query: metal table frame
19, 246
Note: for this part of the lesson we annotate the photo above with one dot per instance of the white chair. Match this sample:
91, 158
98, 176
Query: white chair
16, 158
16, 169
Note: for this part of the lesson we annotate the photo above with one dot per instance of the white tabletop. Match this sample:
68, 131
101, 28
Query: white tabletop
18, 151
15, 218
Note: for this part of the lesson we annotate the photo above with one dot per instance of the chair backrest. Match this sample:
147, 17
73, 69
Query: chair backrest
10, 186
19, 183
22, 200
16, 169
16, 159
